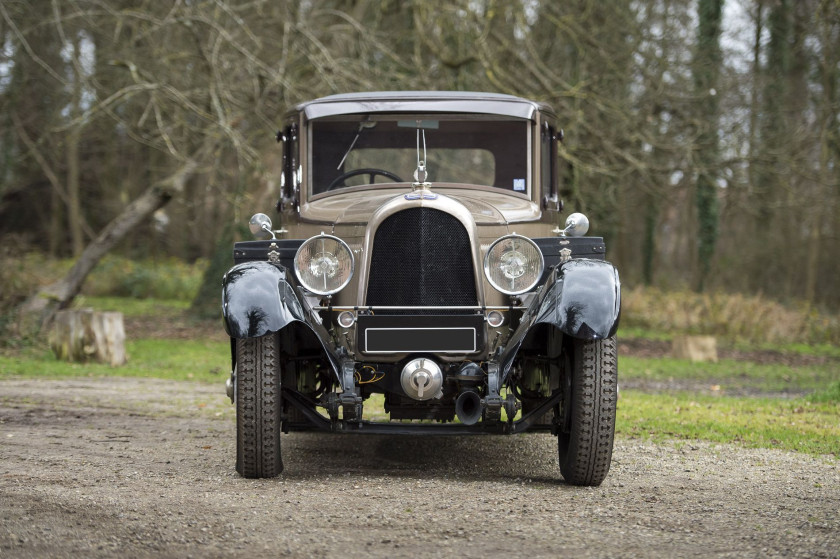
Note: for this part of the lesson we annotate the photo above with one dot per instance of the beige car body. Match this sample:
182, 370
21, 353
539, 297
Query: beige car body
487, 212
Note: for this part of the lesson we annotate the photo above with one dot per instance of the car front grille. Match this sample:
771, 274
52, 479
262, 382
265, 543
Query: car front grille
421, 257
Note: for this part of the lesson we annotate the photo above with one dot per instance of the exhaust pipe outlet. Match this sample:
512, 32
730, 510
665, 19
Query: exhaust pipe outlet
468, 407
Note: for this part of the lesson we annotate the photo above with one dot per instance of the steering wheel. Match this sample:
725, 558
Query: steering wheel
339, 180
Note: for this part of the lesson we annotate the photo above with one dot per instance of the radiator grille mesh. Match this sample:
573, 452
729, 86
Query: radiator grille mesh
421, 257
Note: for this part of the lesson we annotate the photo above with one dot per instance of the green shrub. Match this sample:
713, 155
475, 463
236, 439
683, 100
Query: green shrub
21, 275
159, 279
167, 278
752, 319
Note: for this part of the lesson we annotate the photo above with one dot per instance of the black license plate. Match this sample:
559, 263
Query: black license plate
420, 334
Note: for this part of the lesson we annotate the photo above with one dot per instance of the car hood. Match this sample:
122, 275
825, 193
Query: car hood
487, 207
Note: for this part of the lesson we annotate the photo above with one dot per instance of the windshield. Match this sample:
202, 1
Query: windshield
365, 149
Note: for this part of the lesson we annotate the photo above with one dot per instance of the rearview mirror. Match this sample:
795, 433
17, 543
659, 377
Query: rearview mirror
260, 226
577, 225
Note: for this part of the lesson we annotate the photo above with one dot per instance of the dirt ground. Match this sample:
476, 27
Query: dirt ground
141, 468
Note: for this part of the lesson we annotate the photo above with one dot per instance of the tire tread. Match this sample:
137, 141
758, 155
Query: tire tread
258, 407
586, 451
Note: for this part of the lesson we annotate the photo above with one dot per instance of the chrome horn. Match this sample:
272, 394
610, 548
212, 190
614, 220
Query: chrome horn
468, 407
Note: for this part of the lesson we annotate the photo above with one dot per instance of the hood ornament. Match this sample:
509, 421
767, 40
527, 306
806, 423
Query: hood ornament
421, 174
422, 188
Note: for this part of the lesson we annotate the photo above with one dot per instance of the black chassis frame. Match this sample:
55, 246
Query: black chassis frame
578, 296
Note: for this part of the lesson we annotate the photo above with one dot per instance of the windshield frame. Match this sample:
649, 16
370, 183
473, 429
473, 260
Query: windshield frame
308, 186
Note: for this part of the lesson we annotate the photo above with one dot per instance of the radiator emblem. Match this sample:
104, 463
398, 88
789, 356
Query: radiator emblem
421, 195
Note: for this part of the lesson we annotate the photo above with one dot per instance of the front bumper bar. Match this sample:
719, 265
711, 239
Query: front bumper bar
318, 422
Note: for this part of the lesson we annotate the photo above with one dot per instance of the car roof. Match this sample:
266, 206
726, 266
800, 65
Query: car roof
422, 101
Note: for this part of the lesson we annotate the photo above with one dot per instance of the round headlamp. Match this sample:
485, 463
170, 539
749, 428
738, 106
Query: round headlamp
513, 264
324, 264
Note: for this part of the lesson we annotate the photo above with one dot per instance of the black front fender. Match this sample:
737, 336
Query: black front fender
257, 299
582, 298
584, 301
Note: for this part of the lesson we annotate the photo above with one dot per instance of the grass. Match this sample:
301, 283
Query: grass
792, 348
733, 375
830, 393
818, 350
198, 360
806, 424
800, 425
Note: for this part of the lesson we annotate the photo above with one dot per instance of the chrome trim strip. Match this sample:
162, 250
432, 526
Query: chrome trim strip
442, 203
381, 308
434, 102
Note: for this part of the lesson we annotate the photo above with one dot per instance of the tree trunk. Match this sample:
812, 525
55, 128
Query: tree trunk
754, 97
59, 198
775, 138
56, 223
706, 72
74, 136
38, 311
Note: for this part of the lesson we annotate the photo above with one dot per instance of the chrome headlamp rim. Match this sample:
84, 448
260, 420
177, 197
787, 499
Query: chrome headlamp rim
342, 245
537, 277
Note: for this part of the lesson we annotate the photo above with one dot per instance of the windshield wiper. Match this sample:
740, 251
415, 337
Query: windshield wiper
364, 125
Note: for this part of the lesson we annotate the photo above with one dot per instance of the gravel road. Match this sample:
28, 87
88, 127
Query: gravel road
142, 468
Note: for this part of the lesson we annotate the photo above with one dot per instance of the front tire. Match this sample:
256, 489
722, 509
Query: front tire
585, 445
258, 407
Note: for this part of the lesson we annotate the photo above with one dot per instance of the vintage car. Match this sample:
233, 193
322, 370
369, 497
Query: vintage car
419, 269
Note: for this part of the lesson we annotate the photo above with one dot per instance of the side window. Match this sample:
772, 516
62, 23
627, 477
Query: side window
548, 167
289, 178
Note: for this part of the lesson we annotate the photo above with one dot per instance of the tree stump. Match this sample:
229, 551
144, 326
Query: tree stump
81, 335
695, 348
